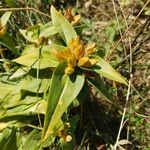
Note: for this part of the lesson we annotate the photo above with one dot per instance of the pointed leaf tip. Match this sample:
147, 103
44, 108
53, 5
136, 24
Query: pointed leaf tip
63, 26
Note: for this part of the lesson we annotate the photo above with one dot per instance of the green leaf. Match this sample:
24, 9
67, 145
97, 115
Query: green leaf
23, 110
54, 94
39, 59
30, 103
47, 30
9, 140
34, 85
62, 25
9, 94
31, 141
99, 85
60, 97
8, 41
19, 73
28, 35
30, 48
5, 18
21, 116
37, 31
105, 69
12, 3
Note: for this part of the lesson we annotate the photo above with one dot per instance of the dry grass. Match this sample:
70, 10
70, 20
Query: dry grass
101, 15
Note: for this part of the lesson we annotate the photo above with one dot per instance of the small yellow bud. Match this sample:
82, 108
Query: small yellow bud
84, 62
93, 61
90, 48
87, 62
68, 138
69, 70
3, 31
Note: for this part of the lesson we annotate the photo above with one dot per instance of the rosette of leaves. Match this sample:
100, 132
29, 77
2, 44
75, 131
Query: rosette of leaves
56, 50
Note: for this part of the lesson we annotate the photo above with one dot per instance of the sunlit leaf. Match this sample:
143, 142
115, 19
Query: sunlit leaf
47, 30
35, 32
19, 73
9, 93
34, 85
60, 97
37, 59
62, 25
105, 69
54, 94
21, 116
5, 18
28, 35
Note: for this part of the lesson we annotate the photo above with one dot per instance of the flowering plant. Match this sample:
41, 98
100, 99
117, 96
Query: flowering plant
55, 67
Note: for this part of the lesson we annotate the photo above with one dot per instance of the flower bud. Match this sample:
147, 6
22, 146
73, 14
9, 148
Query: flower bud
84, 62
87, 62
90, 48
69, 70
93, 61
68, 138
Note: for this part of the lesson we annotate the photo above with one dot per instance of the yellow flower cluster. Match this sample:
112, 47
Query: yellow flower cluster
76, 54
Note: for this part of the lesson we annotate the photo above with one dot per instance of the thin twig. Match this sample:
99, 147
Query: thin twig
24, 9
123, 116
126, 32
130, 81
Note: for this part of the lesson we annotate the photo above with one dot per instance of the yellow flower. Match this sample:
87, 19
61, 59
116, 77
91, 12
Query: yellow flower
76, 54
